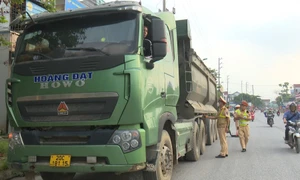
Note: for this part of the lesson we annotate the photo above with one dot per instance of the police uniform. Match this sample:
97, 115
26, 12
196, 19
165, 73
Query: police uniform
222, 124
235, 121
244, 127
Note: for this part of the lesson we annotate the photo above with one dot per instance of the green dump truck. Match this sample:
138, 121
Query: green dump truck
84, 95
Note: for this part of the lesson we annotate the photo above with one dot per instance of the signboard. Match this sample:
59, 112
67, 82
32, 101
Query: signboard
33, 8
73, 4
4, 15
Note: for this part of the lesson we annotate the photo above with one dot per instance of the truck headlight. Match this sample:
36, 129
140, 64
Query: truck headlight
15, 139
128, 140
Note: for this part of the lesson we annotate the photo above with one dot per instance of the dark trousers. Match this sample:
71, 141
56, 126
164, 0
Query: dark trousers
287, 132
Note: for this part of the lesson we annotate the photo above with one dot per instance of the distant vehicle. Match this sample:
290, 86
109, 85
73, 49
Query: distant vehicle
231, 111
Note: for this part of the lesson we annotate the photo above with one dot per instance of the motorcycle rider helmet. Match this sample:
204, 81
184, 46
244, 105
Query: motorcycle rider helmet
293, 107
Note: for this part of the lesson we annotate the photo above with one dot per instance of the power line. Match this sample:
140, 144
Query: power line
256, 84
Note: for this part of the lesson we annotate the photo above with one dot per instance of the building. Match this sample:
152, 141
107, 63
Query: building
266, 102
295, 92
232, 96
64, 5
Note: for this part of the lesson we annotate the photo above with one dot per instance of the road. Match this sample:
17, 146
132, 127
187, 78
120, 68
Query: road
267, 158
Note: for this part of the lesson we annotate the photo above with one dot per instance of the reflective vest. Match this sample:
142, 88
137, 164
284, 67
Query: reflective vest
243, 122
222, 118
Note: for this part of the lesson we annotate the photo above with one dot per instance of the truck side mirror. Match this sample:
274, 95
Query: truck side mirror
159, 40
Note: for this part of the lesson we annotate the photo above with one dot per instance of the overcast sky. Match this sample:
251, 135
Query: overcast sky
259, 40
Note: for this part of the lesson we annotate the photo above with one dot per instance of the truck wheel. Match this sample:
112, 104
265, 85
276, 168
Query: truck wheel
297, 142
164, 162
57, 176
209, 131
194, 154
202, 137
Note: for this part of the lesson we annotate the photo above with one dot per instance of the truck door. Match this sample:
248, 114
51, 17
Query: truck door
169, 81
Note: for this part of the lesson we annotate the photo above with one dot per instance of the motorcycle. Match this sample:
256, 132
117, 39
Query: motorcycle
252, 114
270, 120
294, 135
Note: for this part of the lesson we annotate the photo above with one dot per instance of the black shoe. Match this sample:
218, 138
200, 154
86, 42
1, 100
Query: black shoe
244, 150
220, 156
226, 155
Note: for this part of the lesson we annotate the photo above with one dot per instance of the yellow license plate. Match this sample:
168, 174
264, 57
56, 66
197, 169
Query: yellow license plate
60, 160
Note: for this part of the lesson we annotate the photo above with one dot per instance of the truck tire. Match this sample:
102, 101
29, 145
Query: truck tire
164, 162
202, 138
297, 142
57, 176
209, 131
194, 154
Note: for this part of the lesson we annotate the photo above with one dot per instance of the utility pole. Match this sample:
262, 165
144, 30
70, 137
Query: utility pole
246, 87
253, 90
219, 76
242, 90
227, 88
241, 86
164, 5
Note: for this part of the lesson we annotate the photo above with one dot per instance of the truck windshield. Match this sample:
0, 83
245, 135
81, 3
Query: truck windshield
103, 35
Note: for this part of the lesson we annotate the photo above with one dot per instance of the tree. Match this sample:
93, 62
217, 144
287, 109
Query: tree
49, 5
255, 100
279, 100
285, 91
214, 72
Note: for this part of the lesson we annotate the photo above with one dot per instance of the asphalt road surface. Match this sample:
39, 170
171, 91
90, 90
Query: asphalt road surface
267, 158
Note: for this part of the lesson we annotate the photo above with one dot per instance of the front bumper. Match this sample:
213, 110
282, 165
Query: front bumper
110, 158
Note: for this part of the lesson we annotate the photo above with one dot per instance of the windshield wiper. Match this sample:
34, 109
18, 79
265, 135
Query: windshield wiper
38, 53
89, 49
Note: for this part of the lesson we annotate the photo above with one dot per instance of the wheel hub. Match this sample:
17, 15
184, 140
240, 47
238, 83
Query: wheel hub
166, 160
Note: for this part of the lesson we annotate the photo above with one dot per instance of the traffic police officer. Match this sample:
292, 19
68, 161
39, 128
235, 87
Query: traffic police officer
243, 117
223, 120
236, 109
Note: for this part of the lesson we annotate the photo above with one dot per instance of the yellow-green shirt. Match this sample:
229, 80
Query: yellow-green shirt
243, 122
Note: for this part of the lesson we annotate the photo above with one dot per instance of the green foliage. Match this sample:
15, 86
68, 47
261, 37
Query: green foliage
3, 153
214, 72
3, 146
4, 42
285, 91
49, 5
255, 100
3, 20
278, 100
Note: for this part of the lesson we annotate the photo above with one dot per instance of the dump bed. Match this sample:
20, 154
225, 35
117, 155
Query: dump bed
198, 92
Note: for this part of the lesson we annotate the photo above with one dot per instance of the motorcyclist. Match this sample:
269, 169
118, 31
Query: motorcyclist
291, 115
278, 113
269, 113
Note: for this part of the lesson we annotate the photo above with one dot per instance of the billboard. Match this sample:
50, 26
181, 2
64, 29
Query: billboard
73, 4
33, 8
4, 15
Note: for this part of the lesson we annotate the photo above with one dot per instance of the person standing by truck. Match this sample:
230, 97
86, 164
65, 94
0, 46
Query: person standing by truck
223, 120
243, 117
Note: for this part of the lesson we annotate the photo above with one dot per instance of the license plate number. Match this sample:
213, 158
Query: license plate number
60, 160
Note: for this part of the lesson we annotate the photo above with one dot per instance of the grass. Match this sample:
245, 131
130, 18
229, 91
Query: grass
3, 153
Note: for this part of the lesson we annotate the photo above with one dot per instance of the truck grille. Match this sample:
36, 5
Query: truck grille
71, 107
